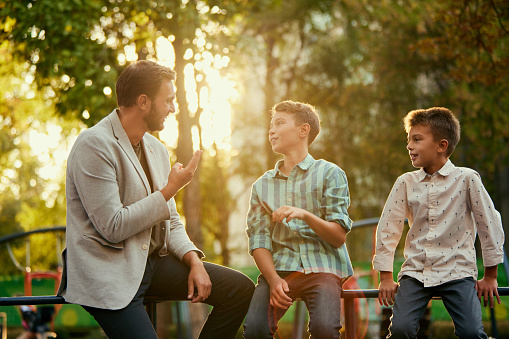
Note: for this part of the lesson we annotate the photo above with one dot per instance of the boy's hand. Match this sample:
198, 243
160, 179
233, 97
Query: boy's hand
387, 289
278, 296
289, 213
487, 288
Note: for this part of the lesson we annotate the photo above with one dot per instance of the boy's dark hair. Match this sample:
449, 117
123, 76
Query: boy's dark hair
304, 114
141, 77
442, 123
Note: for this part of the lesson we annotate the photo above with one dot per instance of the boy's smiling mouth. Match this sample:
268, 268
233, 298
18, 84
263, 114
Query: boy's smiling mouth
413, 156
273, 140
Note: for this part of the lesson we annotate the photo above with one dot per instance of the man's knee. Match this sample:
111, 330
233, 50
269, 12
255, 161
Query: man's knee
247, 286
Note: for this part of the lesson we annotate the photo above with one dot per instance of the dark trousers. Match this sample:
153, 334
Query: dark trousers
459, 298
166, 279
321, 292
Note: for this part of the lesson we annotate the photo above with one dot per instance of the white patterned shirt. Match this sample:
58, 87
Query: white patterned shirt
445, 211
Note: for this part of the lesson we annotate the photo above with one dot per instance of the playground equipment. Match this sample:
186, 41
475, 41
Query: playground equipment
38, 317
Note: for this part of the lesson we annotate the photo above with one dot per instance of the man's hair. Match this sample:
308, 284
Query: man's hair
303, 113
442, 123
141, 77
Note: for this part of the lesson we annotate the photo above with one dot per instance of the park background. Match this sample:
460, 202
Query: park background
362, 63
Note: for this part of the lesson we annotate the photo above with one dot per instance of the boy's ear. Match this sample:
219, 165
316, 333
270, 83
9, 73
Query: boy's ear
304, 129
442, 145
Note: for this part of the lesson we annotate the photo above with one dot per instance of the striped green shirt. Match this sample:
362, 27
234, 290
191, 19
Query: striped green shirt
317, 186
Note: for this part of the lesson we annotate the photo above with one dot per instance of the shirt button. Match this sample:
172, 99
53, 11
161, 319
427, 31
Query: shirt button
304, 257
144, 246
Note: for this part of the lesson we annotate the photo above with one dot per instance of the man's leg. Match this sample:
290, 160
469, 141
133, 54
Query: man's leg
131, 322
461, 301
411, 301
322, 294
261, 320
230, 295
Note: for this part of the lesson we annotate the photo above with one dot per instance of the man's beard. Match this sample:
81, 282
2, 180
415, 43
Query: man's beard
153, 121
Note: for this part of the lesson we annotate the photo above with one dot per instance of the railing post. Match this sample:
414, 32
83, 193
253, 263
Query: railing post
349, 318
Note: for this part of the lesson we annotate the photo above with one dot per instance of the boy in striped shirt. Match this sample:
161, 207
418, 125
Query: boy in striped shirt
297, 225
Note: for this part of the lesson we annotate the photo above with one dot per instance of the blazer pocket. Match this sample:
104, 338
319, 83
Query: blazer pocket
104, 242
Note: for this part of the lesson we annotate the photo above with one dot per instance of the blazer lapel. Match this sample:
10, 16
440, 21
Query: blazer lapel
125, 144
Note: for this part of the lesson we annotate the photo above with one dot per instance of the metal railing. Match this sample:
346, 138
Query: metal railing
347, 295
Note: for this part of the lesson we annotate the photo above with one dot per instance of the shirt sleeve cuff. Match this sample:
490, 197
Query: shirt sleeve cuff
493, 257
382, 265
259, 241
343, 220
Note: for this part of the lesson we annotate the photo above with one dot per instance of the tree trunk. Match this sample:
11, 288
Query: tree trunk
191, 193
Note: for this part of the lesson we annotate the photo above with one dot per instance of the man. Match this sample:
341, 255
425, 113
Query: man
125, 239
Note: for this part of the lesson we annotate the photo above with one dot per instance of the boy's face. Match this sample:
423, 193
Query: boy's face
424, 151
284, 133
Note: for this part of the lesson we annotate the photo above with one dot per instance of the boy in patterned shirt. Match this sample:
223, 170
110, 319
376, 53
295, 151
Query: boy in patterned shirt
446, 207
297, 225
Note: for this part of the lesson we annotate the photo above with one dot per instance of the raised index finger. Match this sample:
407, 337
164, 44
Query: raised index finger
193, 163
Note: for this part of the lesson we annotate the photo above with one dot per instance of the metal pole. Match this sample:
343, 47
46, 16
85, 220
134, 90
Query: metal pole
349, 318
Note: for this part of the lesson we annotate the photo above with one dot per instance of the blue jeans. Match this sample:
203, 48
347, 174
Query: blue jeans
166, 279
321, 292
459, 298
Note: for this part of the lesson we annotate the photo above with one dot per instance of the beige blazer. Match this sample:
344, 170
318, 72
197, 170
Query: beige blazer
110, 214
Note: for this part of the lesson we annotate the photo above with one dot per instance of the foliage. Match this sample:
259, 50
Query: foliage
363, 64
70, 58
32, 197
472, 37
366, 64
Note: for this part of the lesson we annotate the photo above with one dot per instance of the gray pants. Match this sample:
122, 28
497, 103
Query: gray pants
459, 298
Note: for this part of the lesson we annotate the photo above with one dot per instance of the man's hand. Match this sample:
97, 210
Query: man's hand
289, 213
387, 289
198, 281
487, 286
180, 176
278, 296
199, 284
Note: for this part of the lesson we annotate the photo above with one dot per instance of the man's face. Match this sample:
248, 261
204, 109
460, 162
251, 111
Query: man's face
284, 132
161, 106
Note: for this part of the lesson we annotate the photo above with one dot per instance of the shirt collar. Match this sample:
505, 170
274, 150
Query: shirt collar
444, 171
304, 165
